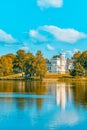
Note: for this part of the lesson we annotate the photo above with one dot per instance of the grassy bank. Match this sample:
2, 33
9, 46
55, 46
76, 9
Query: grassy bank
12, 76
63, 77
48, 77
56, 76
18, 76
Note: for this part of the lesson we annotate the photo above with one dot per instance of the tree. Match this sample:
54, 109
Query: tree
56, 56
77, 55
78, 70
6, 64
83, 59
41, 67
19, 61
30, 64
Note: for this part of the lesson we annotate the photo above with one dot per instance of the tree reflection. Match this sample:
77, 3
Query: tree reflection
64, 93
24, 87
80, 93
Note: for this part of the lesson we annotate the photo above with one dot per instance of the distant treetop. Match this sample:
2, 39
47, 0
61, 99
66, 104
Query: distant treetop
56, 56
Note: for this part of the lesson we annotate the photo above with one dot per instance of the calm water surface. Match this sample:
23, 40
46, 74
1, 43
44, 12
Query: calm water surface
43, 106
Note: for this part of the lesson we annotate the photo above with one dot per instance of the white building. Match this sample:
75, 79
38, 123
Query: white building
59, 64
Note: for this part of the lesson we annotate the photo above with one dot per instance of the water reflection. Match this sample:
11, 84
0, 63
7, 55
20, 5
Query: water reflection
61, 95
15, 91
62, 92
80, 94
52, 104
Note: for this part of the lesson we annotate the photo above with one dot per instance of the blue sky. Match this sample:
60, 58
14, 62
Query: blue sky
52, 26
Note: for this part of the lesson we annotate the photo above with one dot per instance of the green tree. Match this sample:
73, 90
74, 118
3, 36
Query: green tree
30, 64
77, 55
83, 59
19, 61
78, 70
56, 56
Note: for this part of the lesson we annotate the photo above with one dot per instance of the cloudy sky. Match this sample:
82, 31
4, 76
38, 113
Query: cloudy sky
52, 26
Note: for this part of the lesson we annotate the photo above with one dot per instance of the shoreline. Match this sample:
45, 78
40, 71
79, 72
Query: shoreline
48, 79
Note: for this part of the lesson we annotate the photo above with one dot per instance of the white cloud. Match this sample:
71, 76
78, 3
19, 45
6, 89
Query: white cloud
54, 34
50, 3
5, 37
36, 36
49, 47
66, 35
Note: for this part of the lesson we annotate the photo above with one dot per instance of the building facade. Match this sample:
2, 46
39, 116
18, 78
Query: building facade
59, 64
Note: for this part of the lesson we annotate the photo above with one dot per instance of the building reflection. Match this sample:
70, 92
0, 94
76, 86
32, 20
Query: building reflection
71, 92
62, 92
61, 95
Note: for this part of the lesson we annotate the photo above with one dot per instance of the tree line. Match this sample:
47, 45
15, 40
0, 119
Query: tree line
31, 65
35, 65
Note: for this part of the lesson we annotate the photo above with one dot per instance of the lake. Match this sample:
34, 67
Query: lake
35, 105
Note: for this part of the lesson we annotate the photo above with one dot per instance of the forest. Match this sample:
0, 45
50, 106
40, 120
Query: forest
22, 62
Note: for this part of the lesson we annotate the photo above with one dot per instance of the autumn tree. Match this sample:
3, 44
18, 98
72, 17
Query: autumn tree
6, 64
23, 62
19, 61
80, 64
77, 55
30, 64
83, 59
56, 56
78, 70
41, 67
